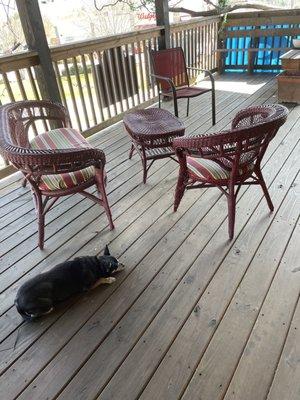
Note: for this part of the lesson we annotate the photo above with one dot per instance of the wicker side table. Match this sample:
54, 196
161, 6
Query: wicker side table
152, 132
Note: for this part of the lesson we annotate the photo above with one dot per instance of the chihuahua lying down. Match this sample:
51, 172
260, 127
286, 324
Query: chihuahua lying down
39, 295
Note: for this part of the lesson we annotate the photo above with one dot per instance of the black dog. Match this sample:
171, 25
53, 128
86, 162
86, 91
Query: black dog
41, 294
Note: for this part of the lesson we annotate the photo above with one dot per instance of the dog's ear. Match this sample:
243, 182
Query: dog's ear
106, 251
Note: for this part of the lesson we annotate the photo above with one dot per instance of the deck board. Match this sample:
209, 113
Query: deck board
164, 328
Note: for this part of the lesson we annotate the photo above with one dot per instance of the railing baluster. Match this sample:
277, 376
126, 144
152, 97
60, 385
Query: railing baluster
70, 84
136, 82
96, 87
20, 84
110, 78
8, 87
126, 77
86, 117
33, 84
142, 82
60, 84
151, 81
120, 82
131, 80
147, 70
88, 86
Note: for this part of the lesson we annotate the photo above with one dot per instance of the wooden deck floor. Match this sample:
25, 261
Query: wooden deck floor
193, 316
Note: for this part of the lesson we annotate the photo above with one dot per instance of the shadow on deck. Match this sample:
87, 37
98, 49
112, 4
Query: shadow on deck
192, 313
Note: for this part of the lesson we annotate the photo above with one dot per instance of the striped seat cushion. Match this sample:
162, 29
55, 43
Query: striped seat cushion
62, 138
209, 170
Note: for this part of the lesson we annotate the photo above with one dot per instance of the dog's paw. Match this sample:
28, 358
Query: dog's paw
108, 280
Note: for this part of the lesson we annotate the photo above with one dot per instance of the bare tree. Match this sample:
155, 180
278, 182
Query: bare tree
218, 7
11, 30
112, 20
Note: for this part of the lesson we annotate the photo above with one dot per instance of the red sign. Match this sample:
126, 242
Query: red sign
148, 16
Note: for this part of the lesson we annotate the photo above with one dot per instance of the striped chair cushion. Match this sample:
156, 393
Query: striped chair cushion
209, 170
62, 138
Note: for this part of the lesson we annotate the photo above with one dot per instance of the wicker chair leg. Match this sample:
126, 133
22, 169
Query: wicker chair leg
188, 107
131, 151
264, 188
159, 100
145, 171
231, 211
41, 222
179, 191
40, 217
102, 192
24, 182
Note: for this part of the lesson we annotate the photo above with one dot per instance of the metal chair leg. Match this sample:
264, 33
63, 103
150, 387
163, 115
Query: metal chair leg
213, 106
188, 107
175, 106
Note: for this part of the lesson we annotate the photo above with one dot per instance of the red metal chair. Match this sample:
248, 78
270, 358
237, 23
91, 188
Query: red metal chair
56, 163
170, 72
229, 158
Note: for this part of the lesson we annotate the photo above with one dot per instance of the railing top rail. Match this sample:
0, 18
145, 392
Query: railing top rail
179, 26
265, 13
103, 43
24, 59
263, 32
269, 17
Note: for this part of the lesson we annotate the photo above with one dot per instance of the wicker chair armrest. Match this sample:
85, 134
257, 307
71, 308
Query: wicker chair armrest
201, 141
55, 161
168, 80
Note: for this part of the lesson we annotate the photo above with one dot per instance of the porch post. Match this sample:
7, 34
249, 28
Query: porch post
162, 18
36, 40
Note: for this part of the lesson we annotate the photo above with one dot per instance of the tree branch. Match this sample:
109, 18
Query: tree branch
210, 3
194, 13
111, 4
223, 10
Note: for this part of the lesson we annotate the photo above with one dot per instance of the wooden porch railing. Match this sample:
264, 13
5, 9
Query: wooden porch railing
199, 39
100, 79
256, 41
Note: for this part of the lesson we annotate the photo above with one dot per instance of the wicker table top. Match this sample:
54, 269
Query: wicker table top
154, 122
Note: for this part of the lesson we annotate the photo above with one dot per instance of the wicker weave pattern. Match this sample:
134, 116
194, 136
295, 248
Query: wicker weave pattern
15, 121
152, 132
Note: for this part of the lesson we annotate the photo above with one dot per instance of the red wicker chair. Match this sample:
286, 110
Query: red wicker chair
57, 163
229, 158
170, 72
